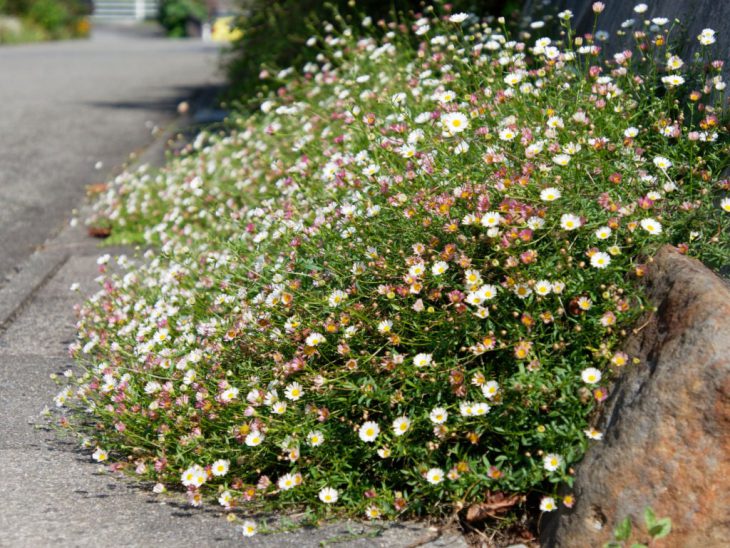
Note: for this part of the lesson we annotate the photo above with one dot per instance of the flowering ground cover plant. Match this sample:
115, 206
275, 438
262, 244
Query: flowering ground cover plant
403, 285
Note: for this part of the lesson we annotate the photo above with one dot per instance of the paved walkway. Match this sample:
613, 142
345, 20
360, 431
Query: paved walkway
66, 106
52, 492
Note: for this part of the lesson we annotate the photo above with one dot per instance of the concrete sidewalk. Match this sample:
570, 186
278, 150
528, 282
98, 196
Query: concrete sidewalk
70, 110
53, 494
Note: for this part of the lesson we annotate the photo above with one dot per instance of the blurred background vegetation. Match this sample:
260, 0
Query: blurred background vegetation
34, 20
178, 17
274, 33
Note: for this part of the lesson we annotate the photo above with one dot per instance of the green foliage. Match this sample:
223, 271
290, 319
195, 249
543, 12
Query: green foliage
28, 33
16, 7
623, 529
657, 528
404, 282
50, 14
176, 15
47, 19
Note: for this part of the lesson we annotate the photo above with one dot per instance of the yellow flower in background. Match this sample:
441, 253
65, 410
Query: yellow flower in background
224, 30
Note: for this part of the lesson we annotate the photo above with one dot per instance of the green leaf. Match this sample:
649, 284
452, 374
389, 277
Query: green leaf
613, 544
623, 529
639, 545
649, 517
661, 529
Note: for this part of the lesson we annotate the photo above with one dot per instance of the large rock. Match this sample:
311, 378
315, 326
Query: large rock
667, 422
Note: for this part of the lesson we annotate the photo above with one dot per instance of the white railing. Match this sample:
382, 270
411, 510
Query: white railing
130, 10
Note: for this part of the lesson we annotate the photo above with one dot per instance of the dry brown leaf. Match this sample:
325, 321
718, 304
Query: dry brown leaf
100, 231
96, 188
494, 505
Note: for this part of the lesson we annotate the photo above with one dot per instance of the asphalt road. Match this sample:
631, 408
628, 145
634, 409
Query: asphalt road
66, 106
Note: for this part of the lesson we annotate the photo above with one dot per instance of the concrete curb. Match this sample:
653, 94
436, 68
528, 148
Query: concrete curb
33, 275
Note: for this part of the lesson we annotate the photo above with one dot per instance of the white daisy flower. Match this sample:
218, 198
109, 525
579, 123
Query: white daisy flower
662, 163
455, 122
522, 291
369, 431
401, 425
466, 409
513, 78
254, 438
490, 389
373, 512
446, 96
507, 134
417, 270
294, 391
435, 476
547, 504
674, 63
603, 233
422, 360
220, 467
706, 37
488, 291
225, 499
600, 260
568, 221
336, 298
439, 268
287, 481
407, 151
673, 80
229, 395
561, 159
480, 409
543, 287
552, 462
249, 528
194, 476
328, 495
591, 375
315, 438
550, 194
491, 218
314, 339
458, 17
652, 226
438, 415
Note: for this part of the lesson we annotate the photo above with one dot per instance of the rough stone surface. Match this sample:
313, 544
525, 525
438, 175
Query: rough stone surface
666, 424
